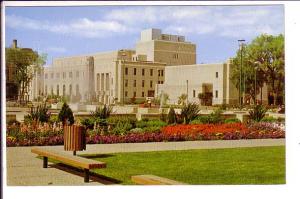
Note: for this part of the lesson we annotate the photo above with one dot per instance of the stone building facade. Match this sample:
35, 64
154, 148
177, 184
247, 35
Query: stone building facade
160, 63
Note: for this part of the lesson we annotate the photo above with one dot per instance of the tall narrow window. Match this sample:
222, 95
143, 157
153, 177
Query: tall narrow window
158, 72
151, 84
217, 74
126, 93
162, 73
143, 94
134, 71
126, 82
57, 90
216, 94
143, 72
134, 94
151, 72
194, 93
143, 83
126, 71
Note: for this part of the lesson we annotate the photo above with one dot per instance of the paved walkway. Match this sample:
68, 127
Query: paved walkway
23, 168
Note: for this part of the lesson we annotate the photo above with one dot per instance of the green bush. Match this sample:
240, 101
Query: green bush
38, 114
189, 112
136, 130
232, 120
87, 123
269, 119
66, 115
171, 116
122, 128
102, 112
122, 119
213, 118
150, 123
257, 113
53, 119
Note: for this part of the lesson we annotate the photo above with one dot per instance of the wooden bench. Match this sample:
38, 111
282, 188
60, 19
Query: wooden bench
154, 180
76, 161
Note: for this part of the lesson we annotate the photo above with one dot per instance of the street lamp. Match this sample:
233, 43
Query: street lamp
255, 76
187, 91
241, 42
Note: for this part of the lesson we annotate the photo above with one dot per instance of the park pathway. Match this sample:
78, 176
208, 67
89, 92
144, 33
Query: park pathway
24, 169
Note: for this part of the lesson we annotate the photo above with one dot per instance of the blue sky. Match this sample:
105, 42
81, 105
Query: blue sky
65, 31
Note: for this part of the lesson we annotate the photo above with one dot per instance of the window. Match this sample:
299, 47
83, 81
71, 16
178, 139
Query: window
143, 94
158, 72
143, 83
151, 84
162, 73
217, 74
162, 82
77, 89
70, 89
151, 72
126, 82
143, 72
57, 90
64, 90
216, 94
126, 93
46, 90
134, 83
126, 71
194, 93
70, 75
134, 71
134, 94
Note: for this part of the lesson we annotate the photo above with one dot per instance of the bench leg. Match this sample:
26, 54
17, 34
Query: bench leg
45, 162
86, 175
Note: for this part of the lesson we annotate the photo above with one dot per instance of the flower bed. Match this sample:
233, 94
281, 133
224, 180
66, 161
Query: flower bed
51, 135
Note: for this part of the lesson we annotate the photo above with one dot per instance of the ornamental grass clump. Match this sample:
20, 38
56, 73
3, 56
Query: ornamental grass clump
189, 112
257, 113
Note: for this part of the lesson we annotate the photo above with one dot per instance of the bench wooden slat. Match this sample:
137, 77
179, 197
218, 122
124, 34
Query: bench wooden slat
154, 180
69, 159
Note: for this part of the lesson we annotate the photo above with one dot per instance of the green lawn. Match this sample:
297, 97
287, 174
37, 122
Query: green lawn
261, 165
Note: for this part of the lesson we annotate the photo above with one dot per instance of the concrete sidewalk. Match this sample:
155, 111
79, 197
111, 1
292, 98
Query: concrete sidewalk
23, 168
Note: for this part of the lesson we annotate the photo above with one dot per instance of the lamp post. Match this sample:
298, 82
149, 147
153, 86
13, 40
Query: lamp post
255, 83
187, 91
123, 71
241, 41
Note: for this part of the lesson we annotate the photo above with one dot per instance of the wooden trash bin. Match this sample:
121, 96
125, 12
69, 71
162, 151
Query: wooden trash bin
74, 138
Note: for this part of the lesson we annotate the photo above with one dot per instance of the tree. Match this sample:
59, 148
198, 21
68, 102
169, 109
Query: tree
189, 112
26, 62
264, 56
66, 115
171, 116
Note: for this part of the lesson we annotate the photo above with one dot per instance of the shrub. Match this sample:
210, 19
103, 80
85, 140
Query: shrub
258, 113
122, 119
150, 123
136, 130
213, 118
269, 119
171, 116
121, 128
102, 112
66, 115
13, 121
38, 114
88, 123
53, 119
232, 120
189, 112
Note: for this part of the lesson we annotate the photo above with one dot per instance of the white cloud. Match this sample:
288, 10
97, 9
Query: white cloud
226, 21
82, 27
